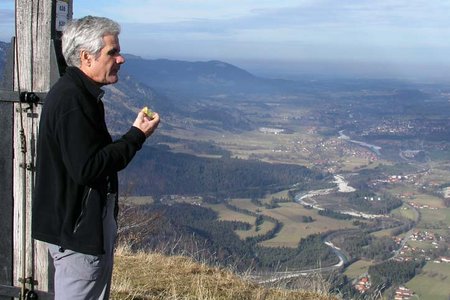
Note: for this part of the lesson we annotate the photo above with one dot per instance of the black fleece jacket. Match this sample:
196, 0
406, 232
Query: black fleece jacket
76, 165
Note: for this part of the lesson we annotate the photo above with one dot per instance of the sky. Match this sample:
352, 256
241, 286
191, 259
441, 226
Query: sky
378, 38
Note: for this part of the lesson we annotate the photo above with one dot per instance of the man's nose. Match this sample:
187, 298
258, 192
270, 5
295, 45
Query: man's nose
120, 59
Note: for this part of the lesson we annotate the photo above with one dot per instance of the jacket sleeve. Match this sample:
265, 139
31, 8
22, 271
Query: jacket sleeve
87, 149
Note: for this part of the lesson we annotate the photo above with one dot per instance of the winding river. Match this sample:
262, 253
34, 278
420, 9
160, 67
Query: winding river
375, 149
343, 187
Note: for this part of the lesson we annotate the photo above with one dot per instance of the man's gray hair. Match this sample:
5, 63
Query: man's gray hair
86, 34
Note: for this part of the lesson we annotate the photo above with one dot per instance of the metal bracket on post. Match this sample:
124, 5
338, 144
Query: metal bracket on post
7, 93
57, 69
24, 97
15, 292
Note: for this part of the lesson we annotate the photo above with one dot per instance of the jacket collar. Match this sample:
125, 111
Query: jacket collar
84, 81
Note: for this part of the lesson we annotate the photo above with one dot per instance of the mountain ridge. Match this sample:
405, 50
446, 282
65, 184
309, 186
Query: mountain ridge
199, 77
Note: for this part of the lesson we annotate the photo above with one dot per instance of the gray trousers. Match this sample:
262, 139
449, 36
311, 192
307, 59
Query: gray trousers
82, 276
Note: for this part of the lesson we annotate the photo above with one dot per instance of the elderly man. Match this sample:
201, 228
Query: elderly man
75, 198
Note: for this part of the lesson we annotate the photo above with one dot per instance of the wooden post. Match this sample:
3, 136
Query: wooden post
36, 24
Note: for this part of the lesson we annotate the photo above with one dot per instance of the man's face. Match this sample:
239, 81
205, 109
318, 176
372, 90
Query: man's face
104, 68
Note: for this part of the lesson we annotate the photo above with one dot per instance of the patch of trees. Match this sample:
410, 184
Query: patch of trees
273, 203
334, 214
360, 244
259, 220
391, 273
407, 225
257, 202
352, 242
268, 205
250, 213
157, 172
307, 219
324, 182
201, 147
195, 231
266, 236
213, 117
367, 226
280, 200
370, 202
341, 285
310, 253
380, 248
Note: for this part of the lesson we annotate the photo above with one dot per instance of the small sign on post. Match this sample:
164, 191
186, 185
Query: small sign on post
62, 14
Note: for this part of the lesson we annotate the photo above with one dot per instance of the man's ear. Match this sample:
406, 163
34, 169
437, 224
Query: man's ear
85, 58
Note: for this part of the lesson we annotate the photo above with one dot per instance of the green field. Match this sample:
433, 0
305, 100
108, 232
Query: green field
246, 204
350, 164
434, 219
226, 214
433, 283
383, 233
357, 269
294, 230
262, 229
291, 214
404, 211
425, 199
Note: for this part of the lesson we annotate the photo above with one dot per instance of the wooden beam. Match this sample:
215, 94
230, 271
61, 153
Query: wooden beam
14, 292
33, 19
35, 31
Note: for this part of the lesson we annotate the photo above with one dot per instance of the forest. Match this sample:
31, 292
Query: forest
391, 273
157, 172
370, 202
359, 244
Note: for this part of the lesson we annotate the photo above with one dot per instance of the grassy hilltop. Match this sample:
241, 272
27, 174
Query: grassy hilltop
157, 276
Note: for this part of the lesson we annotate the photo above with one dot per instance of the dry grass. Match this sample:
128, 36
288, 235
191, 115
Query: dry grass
157, 276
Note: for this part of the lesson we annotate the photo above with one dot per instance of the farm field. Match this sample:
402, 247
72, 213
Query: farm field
291, 215
265, 146
226, 214
434, 219
351, 164
432, 283
383, 233
357, 268
425, 199
404, 211
440, 173
404, 191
